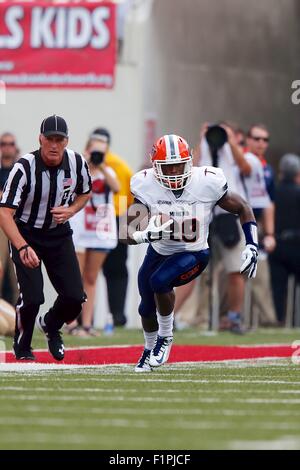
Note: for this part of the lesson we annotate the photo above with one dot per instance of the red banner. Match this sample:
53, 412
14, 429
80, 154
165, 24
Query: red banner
57, 45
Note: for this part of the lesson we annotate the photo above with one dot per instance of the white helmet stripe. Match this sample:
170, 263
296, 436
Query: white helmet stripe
168, 146
176, 146
172, 145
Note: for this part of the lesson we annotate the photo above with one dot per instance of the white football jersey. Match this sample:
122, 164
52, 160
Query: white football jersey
227, 163
256, 190
95, 226
191, 211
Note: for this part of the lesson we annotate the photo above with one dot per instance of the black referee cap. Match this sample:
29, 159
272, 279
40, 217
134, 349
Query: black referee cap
54, 125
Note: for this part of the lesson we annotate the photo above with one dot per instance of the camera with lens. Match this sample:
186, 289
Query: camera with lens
97, 157
216, 137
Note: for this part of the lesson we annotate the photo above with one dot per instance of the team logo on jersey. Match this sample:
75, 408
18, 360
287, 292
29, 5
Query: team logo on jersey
169, 203
208, 171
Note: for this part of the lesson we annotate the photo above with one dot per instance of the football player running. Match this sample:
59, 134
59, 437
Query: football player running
178, 201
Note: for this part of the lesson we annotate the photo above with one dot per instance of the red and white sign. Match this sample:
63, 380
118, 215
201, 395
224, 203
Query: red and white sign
57, 45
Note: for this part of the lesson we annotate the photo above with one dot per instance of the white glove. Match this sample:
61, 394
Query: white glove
153, 232
249, 256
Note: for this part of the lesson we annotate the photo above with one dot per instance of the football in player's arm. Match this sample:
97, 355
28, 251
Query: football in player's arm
169, 197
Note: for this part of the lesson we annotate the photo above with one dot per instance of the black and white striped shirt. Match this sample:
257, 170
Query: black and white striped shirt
33, 189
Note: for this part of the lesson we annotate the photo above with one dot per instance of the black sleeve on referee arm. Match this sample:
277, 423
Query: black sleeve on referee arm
14, 186
84, 182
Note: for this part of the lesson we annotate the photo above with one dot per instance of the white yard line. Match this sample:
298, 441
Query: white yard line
35, 367
18, 439
234, 363
7, 369
157, 391
58, 398
59, 388
155, 380
283, 443
263, 345
94, 375
267, 401
189, 400
73, 410
178, 424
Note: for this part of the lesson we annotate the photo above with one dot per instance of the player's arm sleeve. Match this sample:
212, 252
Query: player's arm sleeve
84, 185
14, 186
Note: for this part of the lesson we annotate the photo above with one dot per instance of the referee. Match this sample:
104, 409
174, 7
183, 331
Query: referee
44, 190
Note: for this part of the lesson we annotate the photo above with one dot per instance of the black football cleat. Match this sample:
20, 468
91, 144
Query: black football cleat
54, 338
56, 345
23, 354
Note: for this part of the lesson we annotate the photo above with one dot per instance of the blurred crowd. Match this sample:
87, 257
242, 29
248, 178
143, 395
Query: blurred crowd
222, 294
275, 199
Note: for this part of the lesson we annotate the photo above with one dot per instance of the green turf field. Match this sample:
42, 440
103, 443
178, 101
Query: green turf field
239, 405
190, 336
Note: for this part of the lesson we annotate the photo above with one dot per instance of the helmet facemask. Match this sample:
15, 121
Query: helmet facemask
173, 182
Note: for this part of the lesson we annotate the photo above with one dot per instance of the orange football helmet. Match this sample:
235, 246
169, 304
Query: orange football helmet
172, 150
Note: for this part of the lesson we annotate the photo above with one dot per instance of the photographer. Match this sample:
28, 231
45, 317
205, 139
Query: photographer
95, 230
261, 191
219, 148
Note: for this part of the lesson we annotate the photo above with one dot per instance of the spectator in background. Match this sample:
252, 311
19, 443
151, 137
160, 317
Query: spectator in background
7, 315
115, 269
227, 240
230, 157
240, 136
94, 230
258, 139
285, 260
257, 143
9, 153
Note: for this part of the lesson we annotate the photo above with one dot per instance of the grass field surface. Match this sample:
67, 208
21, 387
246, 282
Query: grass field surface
251, 404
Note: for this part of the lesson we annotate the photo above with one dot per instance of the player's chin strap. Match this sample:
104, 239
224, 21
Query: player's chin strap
250, 254
152, 232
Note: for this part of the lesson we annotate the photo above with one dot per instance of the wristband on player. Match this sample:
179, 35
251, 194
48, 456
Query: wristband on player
250, 231
24, 247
